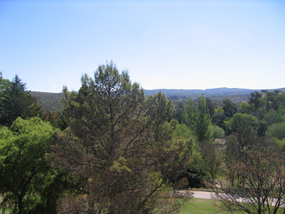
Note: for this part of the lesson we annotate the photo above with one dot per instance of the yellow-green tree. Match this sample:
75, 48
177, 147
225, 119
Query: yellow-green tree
24, 172
198, 120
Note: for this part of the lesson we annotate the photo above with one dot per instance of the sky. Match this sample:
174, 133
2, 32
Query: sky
163, 44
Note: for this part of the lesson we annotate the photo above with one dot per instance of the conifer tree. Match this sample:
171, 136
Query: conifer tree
121, 144
17, 102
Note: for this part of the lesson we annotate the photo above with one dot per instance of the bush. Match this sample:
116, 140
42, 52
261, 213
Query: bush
217, 132
276, 130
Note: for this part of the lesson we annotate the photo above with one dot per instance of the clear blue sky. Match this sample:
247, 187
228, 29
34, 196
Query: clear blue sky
164, 44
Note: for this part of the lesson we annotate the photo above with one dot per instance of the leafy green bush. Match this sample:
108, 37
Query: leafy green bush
217, 132
276, 130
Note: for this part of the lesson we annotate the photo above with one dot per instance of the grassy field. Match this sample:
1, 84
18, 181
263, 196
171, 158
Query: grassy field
204, 206
201, 206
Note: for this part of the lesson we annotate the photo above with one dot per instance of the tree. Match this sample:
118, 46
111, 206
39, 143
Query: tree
183, 131
17, 102
121, 144
229, 107
272, 117
272, 100
255, 100
258, 186
217, 132
56, 119
187, 116
24, 172
239, 120
211, 161
4, 84
197, 120
218, 119
202, 120
254, 174
276, 130
210, 106
178, 112
246, 107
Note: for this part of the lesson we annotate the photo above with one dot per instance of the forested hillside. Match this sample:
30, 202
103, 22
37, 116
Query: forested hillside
51, 101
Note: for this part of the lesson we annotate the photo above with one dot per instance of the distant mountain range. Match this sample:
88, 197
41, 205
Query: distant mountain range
207, 92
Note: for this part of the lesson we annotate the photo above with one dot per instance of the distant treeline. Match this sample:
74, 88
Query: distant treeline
51, 101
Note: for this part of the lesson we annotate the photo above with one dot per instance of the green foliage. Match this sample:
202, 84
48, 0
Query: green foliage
49, 101
239, 120
23, 169
210, 106
17, 102
212, 159
178, 111
272, 117
246, 108
160, 110
187, 116
4, 84
55, 119
219, 110
229, 107
197, 120
121, 143
202, 120
218, 119
217, 132
183, 131
276, 130
255, 100
196, 173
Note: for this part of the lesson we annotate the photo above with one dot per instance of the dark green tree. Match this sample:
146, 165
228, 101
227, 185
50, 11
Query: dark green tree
272, 100
218, 119
17, 102
4, 84
210, 106
229, 107
255, 99
178, 111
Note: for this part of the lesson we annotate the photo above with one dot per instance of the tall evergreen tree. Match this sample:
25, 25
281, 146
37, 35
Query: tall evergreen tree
17, 102
120, 142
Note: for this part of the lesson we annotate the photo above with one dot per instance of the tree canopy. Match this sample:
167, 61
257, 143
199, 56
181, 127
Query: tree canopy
23, 169
17, 102
121, 143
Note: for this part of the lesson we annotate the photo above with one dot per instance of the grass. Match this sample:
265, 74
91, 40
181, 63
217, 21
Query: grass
206, 206
201, 206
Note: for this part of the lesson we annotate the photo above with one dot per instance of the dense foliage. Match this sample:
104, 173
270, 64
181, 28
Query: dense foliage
121, 144
111, 149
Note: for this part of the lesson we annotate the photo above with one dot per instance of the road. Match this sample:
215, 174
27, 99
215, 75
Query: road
211, 195
195, 194
202, 195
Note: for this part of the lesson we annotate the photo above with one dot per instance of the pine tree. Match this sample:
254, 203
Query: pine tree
120, 142
17, 102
